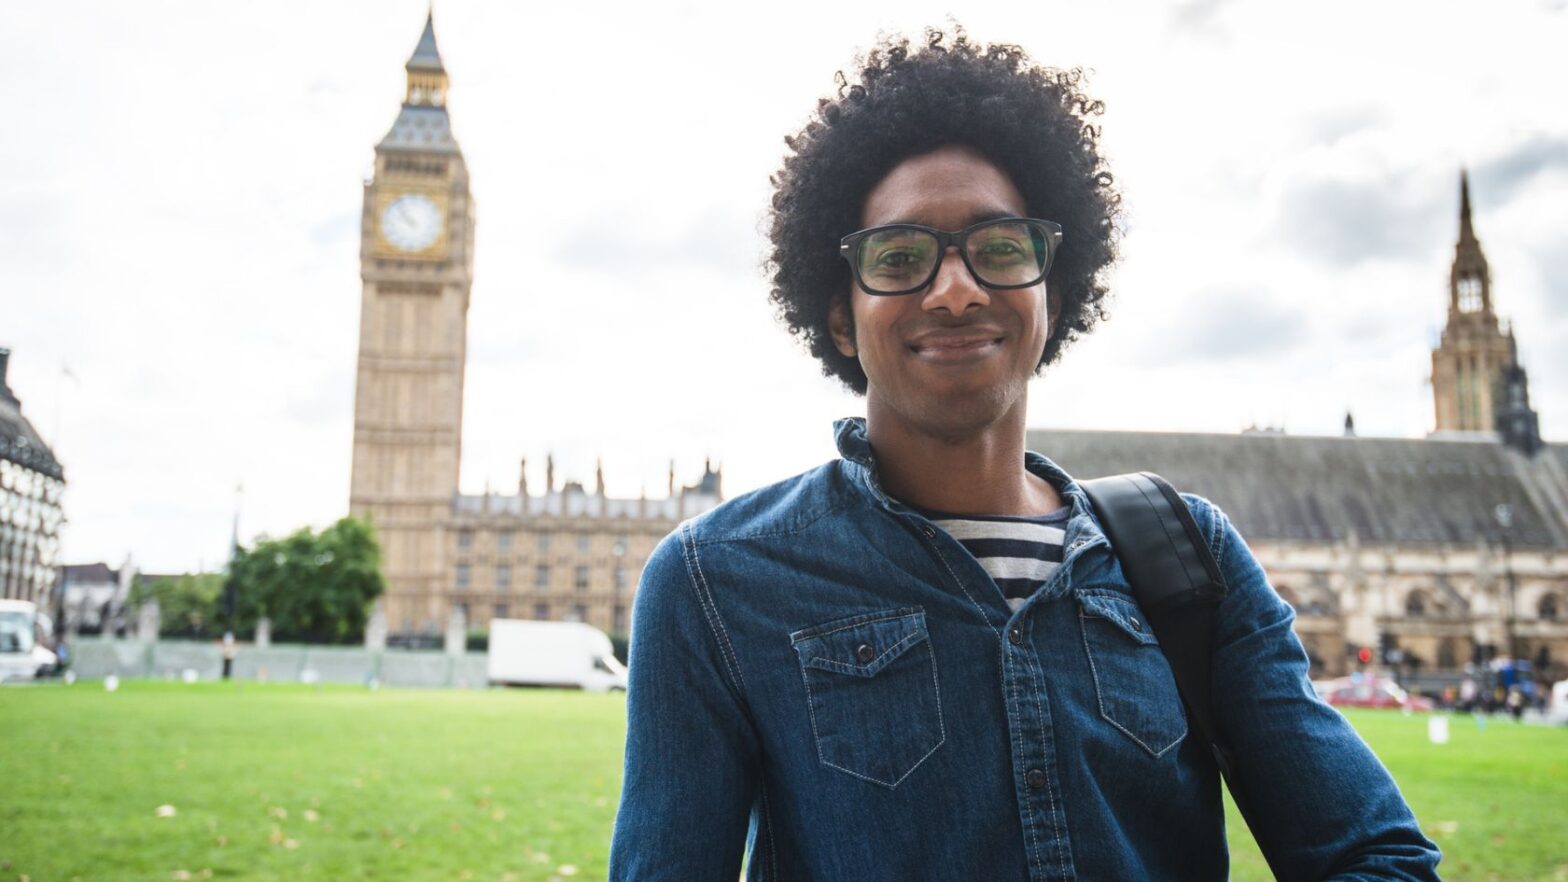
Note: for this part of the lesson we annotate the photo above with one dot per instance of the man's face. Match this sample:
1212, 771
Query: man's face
955, 357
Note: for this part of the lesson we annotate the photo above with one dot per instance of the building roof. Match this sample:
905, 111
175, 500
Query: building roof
426, 56
573, 501
1322, 489
93, 573
19, 441
421, 128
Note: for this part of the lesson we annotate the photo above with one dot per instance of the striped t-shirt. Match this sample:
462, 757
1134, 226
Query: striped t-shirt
1020, 553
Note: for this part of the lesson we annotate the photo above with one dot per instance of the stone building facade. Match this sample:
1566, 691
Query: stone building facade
1379, 542
32, 484
576, 553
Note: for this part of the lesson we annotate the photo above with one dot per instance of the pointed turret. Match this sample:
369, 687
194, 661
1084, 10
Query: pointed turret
1470, 282
1517, 421
426, 56
1466, 229
422, 125
1467, 363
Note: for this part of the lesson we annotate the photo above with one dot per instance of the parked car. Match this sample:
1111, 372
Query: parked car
1370, 692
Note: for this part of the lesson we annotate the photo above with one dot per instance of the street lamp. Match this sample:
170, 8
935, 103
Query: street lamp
1504, 514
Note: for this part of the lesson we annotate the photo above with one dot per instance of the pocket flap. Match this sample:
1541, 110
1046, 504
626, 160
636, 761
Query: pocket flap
1121, 611
860, 645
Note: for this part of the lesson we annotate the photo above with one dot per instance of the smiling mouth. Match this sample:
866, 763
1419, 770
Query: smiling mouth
951, 349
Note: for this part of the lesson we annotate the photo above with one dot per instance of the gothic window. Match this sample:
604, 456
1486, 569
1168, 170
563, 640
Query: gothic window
462, 577
1549, 609
1446, 656
544, 541
502, 611
542, 612
542, 577
580, 579
620, 618
503, 541
503, 577
582, 542
465, 539
620, 580
1415, 605
1469, 294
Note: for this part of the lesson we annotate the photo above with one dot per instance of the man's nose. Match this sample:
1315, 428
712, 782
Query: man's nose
955, 288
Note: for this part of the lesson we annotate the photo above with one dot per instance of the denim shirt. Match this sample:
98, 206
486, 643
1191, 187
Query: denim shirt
822, 676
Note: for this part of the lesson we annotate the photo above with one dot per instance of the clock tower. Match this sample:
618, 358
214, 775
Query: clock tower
416, 265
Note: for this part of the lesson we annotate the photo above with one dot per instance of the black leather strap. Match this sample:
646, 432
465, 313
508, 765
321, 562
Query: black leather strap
1176, 580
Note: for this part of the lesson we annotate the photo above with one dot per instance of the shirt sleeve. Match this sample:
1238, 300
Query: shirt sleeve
691, 750
1317, 800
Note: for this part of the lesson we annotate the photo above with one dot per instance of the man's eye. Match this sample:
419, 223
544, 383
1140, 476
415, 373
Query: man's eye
898, 259
1000, 247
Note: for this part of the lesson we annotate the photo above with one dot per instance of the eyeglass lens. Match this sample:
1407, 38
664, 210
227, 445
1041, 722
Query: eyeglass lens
1008, 253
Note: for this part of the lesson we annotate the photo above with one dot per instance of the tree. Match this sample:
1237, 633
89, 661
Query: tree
187, 605
314, 587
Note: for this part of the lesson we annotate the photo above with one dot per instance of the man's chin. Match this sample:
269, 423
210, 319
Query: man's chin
958, 415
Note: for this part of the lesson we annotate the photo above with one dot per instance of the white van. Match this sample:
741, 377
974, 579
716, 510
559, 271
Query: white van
1557, 707
571, 654
22, 657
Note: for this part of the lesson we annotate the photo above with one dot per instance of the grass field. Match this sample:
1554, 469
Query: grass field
302, 783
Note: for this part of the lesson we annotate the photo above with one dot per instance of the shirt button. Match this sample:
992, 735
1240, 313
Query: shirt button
929, 532
1016, 635
1035, 779
865, 653
1136, 625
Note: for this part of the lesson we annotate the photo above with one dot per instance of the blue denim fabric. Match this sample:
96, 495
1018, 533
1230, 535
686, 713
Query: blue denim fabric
819, 673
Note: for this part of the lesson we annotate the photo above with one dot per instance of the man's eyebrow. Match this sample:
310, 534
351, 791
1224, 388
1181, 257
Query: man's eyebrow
978, 217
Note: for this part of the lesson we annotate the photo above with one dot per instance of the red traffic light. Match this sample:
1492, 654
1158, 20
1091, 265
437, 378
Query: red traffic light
1364, 655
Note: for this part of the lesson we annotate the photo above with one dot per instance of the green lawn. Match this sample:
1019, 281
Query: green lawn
301, 783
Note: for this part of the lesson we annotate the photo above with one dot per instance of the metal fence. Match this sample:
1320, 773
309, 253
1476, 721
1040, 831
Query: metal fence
175, 659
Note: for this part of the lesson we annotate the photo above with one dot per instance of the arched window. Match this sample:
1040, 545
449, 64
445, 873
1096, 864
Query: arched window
1549, 608
1446, 656
1415, 605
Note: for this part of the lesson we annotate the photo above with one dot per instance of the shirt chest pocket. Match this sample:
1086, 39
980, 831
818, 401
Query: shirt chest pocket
873, 699
1133, 683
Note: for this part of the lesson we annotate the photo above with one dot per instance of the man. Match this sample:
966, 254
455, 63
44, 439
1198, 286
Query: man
922, 660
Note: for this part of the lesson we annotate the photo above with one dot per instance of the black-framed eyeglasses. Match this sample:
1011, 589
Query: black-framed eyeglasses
1008, 252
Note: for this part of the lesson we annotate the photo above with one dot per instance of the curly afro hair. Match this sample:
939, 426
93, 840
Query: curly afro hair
1031, 121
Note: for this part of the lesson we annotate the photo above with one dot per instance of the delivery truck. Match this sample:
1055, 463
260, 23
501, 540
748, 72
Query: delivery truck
23, 631
570, 654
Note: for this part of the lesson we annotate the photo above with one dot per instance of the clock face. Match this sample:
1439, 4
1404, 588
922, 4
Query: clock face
411, 222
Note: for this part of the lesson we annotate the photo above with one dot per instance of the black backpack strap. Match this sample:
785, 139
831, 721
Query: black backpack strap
1176, 580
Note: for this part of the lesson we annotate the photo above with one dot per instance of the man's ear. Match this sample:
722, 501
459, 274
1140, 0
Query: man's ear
842, 327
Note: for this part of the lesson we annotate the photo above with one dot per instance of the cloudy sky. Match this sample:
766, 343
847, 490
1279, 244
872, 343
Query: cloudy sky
179, 225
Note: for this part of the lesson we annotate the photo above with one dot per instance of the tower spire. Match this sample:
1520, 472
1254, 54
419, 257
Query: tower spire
426, 56
1466, 229
427, 83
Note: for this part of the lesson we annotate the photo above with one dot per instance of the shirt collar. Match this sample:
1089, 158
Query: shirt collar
853, 445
